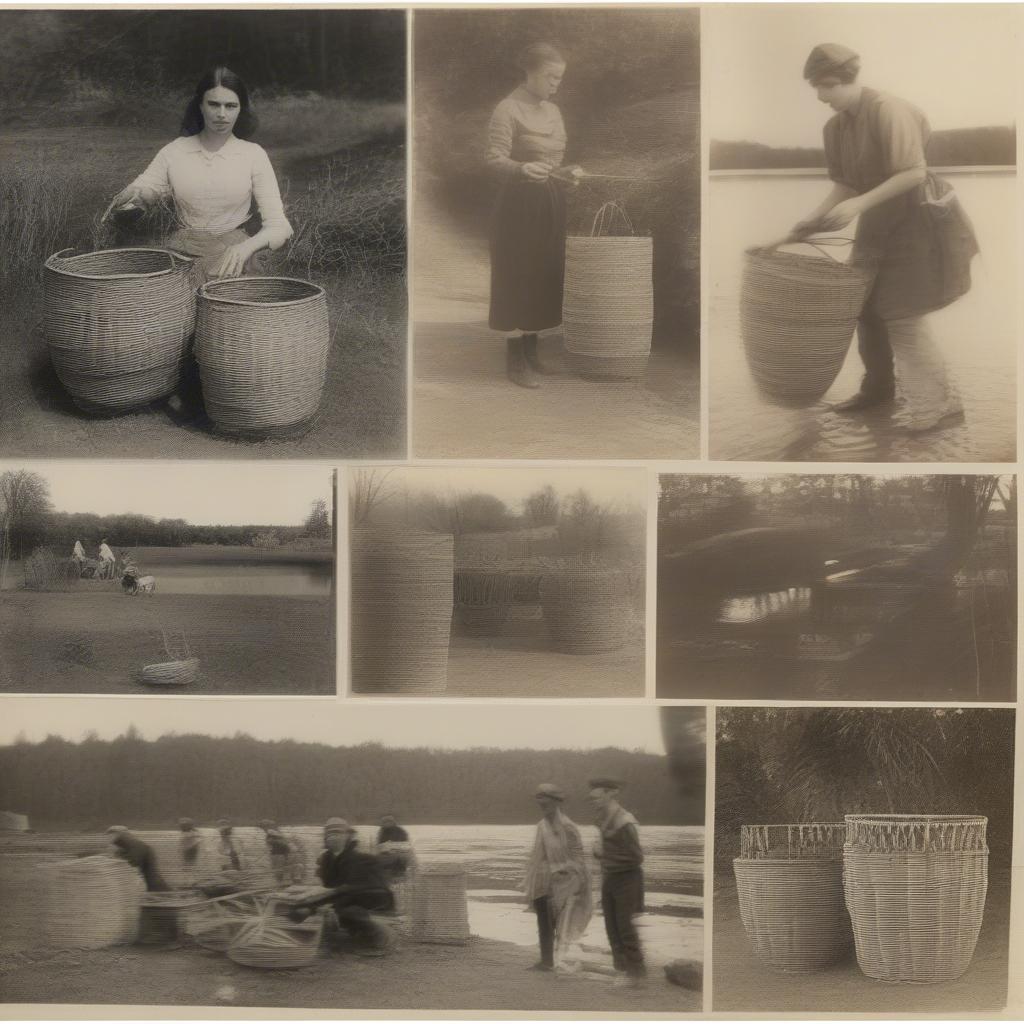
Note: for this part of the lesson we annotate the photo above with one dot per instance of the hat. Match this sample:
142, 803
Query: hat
337, 825
116, 829
604, 783
830, 59
548, 789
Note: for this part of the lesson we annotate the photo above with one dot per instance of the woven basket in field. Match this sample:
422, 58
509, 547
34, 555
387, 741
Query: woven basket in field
587, 610
789, 881
438, 906
262, 345
171, 673
118, 325
402, 592
915, 889
91, 902
608, 301
798, 314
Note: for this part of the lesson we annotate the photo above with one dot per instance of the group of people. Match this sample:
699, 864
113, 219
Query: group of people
104, 556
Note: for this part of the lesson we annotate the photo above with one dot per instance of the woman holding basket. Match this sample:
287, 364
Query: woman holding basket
214, 175
911, 231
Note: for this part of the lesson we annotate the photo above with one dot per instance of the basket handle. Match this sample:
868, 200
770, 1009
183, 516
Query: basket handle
605, 218
821, 244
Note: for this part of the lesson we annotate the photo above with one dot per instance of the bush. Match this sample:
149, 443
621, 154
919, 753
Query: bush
45, 571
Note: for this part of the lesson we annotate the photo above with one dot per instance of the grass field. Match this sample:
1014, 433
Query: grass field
341, 167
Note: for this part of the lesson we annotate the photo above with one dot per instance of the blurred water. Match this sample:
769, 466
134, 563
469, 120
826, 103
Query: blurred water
976, 334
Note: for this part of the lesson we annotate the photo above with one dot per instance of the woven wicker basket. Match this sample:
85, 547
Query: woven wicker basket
915, 888
587, 610
798, 314
608, 300
262, 344
438, 906
401, 611
483, 600
789, 880
273, 944
171, 673
118, 324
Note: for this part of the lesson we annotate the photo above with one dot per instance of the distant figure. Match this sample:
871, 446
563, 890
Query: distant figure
279, 850
78, 554
190, 845
394, 848
107, 560
557, 882
139, 854
618, 852
232, 858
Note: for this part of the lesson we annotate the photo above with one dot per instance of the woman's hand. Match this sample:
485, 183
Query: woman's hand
232, 263
804, 228
840, 215
537, 171
129, 194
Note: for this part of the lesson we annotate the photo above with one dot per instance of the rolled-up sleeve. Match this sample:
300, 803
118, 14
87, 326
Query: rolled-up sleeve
268, 200
901, 132
155, 178
500, 135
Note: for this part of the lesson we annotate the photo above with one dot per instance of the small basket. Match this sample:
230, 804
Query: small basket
262, 344
798, 314
171, 673
118, 325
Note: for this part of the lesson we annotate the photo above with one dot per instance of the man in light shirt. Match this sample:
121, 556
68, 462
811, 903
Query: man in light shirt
107, 560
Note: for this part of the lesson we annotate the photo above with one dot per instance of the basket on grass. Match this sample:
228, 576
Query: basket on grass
276, 944
438, 907
789, 881
118, 325
587, 610
91, 902
798, 313
482, 601
261, 344
915, 888
401, 611
171, 673
608, 299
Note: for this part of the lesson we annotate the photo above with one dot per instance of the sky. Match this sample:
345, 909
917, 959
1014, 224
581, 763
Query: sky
455, 727
957, 62
204, 493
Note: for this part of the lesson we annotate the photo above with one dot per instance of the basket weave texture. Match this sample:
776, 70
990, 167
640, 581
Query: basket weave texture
92, 902
275, 944
439, 909
587, 610
262, 345
402, 596
118, 324
789, 881
798, 314
915, 888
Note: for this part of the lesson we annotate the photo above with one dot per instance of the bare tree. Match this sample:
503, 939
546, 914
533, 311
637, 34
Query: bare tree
366, 492
24, 496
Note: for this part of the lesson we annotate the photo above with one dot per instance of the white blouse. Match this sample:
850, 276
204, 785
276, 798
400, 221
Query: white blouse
213, 192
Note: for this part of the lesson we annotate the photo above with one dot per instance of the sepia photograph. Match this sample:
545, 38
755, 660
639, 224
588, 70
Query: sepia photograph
556, 233
147, 578
202, 218
862, 184
837, 587
862, 860
245, 854
503, 582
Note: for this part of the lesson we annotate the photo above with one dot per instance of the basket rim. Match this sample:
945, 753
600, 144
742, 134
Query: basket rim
204, 291
918, 819
836, 859
60, 254
860, 267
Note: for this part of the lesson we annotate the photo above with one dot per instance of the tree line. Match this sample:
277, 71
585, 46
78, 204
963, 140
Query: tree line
151, 783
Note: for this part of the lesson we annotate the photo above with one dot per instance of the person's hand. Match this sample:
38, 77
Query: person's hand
803, 228
232, 263
840, 215
129, 194
537, 171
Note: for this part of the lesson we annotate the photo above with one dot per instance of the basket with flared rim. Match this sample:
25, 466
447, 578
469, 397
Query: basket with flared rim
262, 345
608, 298
915, 888
798, 314
118, 324
789, 883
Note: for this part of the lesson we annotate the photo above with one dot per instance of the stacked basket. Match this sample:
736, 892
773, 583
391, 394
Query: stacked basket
439, 909
789, 879
587, 609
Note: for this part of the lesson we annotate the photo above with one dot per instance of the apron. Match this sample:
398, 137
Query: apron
207, 250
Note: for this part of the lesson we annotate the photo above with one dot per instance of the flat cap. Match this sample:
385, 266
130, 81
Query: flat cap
830, 59
549, 789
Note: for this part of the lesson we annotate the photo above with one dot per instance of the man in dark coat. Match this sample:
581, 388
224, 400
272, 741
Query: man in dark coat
139, 854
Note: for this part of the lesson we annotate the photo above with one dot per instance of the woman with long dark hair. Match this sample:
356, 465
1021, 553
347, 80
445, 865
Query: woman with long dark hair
526, 142
214, 174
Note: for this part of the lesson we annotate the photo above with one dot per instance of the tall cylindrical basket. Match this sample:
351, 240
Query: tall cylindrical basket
262, 345
439, 909
402, 586
915, 888
587, 610
118, 325
789, 881
797, 314
608, 300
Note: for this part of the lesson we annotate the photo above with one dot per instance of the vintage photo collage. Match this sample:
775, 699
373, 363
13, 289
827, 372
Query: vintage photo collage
509, 510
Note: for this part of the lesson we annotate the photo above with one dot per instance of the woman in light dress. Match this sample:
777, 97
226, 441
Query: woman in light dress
910, 229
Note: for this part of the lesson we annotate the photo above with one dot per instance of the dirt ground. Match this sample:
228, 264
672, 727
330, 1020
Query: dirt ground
98, 642
464, 406
742, 984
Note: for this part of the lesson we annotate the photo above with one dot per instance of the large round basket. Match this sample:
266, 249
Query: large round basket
789, 880
915, 889
118, 324
91, 902
439, 910
262, 343
587, 610
401, 611
798, 313
608, 306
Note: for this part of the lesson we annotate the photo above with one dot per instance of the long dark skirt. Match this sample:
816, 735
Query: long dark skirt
527, 257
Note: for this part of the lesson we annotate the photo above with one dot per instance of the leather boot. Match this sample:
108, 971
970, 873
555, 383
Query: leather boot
864, 400
531, 349
516, 366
